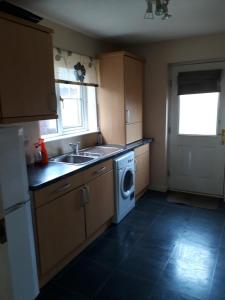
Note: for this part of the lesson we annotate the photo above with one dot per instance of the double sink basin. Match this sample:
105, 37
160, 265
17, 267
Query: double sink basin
88, 155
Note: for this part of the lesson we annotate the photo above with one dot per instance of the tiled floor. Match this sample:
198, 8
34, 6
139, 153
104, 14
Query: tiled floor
161, 251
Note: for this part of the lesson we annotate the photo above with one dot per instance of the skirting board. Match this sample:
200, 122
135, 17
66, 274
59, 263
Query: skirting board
158, 188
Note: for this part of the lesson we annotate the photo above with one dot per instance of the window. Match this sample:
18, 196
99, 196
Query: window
198, 94
198, 114
76, 78
76, 110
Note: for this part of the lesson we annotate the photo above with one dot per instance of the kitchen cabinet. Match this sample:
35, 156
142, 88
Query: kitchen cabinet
68, 214
120, 97
27, 90
100, 208
60, 228
142, 165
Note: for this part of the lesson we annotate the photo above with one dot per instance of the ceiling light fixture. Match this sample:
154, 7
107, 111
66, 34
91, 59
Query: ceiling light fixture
158, 8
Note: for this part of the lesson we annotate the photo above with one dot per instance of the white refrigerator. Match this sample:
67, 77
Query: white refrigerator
18, 267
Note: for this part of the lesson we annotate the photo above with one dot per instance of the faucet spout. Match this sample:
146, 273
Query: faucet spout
75, 147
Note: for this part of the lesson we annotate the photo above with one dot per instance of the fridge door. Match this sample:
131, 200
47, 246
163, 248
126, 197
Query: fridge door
5, 280
13, 172
20, 254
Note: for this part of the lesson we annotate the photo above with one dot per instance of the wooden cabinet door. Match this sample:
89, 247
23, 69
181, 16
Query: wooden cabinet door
60, 229
111, 99
142, 172
26, 72
100, 207
133, 69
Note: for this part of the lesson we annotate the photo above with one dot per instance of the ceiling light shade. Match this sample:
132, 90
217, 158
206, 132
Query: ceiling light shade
157, 8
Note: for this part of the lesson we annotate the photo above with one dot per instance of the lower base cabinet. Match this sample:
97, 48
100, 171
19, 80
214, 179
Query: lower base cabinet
67, 216
101, 205
142, 162
60, 228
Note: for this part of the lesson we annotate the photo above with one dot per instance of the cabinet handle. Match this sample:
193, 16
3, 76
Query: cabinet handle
101, 170
135, 166
63, 188
127, 116
87, 191
82, 202
85, 195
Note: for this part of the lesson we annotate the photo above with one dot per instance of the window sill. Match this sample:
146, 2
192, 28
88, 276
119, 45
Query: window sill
65, 136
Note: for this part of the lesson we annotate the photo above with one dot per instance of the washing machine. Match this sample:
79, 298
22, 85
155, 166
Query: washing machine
124, 185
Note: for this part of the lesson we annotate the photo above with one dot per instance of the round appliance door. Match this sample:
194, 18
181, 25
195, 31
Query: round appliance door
127, 182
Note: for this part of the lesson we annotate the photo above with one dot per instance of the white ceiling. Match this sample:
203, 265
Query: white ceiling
123, 20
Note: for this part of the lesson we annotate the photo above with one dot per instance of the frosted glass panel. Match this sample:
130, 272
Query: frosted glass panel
48, 127
198, 114
71, 106
71, 110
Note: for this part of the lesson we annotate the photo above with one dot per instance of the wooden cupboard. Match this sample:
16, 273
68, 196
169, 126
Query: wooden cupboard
27, 89
60, 227
68, 214
120, 97
100, 208
142, 165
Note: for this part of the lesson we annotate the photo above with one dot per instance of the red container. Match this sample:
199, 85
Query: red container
44, 152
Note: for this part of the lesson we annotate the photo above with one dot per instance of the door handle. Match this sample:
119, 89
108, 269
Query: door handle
222, 136
3, 238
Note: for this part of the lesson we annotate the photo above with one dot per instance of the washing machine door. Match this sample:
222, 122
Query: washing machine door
127, 182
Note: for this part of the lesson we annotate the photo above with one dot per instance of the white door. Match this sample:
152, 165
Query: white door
196, 148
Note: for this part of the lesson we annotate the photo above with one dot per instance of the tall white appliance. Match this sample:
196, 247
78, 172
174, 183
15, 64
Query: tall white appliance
18, 268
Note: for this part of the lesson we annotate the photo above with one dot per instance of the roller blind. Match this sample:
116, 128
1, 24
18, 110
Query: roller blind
197, 82
74, 68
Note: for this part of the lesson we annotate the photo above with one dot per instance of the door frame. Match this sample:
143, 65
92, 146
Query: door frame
171, 66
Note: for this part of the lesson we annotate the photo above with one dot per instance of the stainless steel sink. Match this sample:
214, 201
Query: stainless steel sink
103, 150
73, 159
88, 155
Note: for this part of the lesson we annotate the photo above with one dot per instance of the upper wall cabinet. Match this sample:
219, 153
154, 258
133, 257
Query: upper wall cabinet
120, 97
27, 90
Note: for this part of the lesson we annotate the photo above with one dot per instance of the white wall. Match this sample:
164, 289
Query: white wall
158, 56
68, 39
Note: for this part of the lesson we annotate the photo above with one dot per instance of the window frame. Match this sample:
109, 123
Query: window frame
73, 131
84, 107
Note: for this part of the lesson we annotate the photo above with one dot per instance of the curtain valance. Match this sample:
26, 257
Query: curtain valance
74, 68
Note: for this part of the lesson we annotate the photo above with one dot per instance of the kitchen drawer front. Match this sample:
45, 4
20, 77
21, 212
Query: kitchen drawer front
55, 190
97, 170
141, 150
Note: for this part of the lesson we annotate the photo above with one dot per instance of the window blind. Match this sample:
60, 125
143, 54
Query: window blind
197, 82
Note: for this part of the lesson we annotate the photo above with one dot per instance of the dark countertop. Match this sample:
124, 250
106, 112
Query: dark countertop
41, 176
